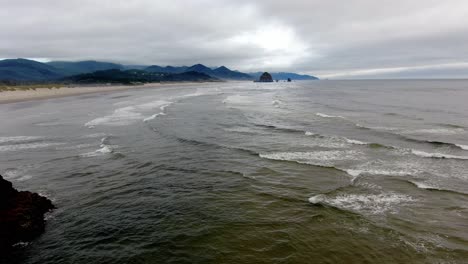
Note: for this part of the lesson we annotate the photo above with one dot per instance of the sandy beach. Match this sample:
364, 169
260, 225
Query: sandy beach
48, 93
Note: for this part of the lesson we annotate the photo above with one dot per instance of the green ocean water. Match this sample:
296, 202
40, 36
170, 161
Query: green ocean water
240, 172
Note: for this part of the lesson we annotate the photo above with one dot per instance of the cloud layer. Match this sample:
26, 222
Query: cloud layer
331, 39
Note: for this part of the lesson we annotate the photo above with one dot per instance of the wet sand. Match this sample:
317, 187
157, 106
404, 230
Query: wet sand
48, 93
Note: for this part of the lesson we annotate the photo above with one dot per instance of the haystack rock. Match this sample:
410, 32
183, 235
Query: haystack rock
21, 215
266, 77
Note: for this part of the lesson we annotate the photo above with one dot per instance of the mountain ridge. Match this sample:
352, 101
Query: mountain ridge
221, 72
25, 70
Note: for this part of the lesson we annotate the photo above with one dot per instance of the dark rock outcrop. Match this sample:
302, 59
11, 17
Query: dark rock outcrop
21, 214
266, 77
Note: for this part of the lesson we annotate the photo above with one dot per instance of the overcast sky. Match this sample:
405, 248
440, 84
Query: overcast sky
329, 39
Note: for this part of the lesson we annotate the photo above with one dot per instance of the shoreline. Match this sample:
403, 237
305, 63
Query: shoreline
8, 97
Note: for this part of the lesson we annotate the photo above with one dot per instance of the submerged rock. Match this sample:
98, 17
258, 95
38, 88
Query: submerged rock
266, 77
21, 214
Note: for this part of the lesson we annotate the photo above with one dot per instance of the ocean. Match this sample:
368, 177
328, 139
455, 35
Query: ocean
239, 172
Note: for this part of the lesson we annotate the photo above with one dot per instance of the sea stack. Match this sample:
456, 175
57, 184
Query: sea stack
266, 77
21, 215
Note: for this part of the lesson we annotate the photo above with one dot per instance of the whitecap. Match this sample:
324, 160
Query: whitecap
103, 150
317, 199
276, 103
356, 142
21, 244
120, 116
161, 104
382, 128
464, 147
365, 203
153, 117
24, 146
237, 99
129, 114
436, 131
318, 158
79, 146
358, 172
18, 138
241, 129
16, 174
437, 155
328, 116
308, 133
422, 185
95, 135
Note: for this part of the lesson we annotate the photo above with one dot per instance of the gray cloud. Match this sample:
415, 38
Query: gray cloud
334, 39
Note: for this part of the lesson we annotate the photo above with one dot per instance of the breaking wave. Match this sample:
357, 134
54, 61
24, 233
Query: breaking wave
129, 114
24, 146
437, 155
374, 204
18, 139
328, 116
104, 149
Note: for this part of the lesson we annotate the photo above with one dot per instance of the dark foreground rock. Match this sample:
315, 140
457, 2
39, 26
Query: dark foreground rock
21, 214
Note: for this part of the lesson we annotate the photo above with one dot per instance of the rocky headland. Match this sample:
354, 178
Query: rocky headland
21, 215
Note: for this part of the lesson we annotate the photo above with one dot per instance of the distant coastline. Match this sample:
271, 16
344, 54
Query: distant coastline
25, 71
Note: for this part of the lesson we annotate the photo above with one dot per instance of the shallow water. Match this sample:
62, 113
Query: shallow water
321, 172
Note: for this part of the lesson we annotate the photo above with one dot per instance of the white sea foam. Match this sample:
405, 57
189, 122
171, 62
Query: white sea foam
162, 108
317, 198
120, 116
21, 244
79, 146
464, 147
237, 99
103, 149
276, 103
241, 129
17, 175
195, 94
154, 105
153, 117
437, 155
436, 131
24, 146
95, 135
327, 142
382, 128
387, 168
328, 116
18, 139
356, 142
422, 185
127, 115
365, 203
319, 158
358, 172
